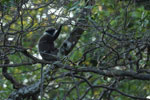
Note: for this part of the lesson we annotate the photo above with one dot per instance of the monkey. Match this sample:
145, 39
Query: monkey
46, 46
47, 49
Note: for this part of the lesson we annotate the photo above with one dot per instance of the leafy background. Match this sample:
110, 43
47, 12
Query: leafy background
116, 37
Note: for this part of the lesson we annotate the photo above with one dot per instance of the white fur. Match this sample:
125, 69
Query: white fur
50, 34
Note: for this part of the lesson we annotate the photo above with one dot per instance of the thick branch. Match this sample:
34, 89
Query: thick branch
109, 73
75, 35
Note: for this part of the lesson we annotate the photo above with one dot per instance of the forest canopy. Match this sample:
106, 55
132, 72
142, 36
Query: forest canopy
103, 50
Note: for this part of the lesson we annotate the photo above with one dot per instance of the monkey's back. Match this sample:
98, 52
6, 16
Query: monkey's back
45, 43
46, 47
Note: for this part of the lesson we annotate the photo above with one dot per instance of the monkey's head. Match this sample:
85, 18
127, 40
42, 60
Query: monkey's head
51, 31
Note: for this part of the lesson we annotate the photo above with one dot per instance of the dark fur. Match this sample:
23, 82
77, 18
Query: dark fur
46, 44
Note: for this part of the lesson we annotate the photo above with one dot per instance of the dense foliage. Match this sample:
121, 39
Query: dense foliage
104, 50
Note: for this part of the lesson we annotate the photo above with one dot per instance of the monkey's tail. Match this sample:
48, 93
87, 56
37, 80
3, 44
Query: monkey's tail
42, 80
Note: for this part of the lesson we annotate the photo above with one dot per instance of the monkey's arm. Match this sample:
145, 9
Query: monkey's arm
57, 33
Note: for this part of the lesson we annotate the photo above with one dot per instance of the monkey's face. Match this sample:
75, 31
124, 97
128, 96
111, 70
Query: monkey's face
50, 31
